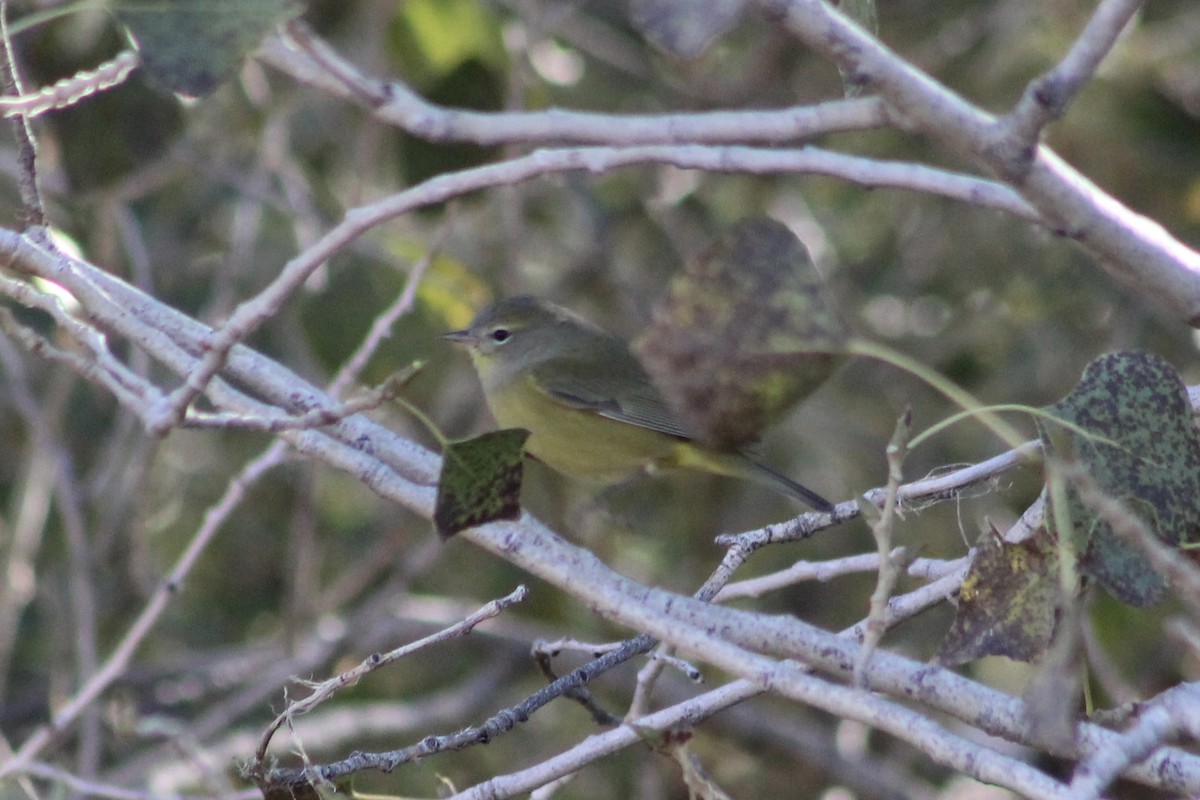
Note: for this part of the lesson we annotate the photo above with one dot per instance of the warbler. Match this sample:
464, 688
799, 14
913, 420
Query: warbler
591, 410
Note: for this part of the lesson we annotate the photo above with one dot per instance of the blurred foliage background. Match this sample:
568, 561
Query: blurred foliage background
202, 202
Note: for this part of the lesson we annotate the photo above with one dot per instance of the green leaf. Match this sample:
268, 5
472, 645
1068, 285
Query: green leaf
445, 34
480, 481
1008, 602
743, 334
1137, 440
192, 46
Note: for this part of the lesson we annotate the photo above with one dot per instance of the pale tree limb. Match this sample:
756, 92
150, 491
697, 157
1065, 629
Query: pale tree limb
882, 522
34, 206
89, 788
253, 312
271, 664
366, 400
1174, 712
118, 661
906, 606
942, 746
1133, 248
822, 571
1047, 98
69, 91
309, 60
96, 361
325, 689
683, 134
945, 485
899, 608
602, 744
393, 475
529, 545
1185, 632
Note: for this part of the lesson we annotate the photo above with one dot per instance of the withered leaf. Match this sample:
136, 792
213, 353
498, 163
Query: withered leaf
743, 334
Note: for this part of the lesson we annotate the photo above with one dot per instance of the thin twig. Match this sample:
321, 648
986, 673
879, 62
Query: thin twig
882, 524
252, 313
69, 91
118, 661
1132, 247
580, 694
27, 182
309, 60
88, 788
946, 485
844, 702
316, 418
69, 502
822, 571
531, 546
1158, 721
1047, 98
381, 327
325, 689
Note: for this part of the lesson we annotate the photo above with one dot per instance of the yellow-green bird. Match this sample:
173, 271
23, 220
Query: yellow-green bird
591, 410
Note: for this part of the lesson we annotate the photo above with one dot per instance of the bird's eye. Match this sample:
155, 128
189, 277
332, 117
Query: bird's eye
501, 335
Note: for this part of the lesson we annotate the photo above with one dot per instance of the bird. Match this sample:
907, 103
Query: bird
592, 411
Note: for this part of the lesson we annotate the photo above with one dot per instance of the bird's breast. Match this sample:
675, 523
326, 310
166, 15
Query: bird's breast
579, 443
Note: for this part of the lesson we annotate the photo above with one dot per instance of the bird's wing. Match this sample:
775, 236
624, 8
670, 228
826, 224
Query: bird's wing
573, 382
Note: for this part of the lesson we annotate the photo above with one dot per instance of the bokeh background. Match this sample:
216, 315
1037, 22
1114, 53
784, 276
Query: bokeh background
202, 202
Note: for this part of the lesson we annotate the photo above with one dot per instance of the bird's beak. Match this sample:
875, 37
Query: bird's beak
459, 337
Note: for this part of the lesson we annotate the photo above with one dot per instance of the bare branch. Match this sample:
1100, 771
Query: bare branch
1133, 248
309, 60
123, 340
117, 662
944, 485
599, 745
316, 418
1046, 99
930, 568
69, 91
1159, 721
882, 522
686, 623
324, 690
27, 180
88, 788
252, 313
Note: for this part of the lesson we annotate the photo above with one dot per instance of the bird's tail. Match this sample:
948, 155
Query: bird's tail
781, 483
743, 465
